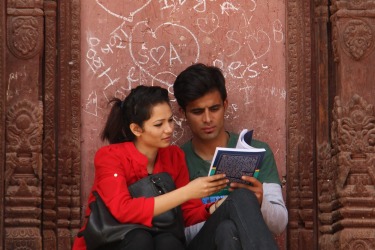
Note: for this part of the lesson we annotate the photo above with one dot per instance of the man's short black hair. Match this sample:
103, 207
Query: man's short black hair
196, 81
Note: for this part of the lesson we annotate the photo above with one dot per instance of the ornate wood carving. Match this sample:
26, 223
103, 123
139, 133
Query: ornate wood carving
68, 159
25, 35
330, 175
50, 121
2, 114
24, 128
347, 192
300, 141
23, 176
338, 175
346, 163
40, 105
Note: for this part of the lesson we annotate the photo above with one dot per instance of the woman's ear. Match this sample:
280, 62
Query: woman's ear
136, 129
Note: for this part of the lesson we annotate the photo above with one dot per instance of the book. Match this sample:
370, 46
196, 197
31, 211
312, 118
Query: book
235, 163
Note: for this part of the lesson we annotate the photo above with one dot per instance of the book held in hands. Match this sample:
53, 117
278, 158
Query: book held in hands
244, 160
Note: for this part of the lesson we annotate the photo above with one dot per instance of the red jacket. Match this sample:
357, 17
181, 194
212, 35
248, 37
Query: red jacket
119, 165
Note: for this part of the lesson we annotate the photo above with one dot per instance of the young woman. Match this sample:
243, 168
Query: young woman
139, 130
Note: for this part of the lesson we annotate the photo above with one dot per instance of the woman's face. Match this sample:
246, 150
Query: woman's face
157, 131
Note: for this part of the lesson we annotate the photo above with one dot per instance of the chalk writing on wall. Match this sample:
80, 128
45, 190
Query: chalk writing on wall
150, 42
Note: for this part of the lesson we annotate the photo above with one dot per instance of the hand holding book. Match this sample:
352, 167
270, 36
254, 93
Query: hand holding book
239, 161
244, 160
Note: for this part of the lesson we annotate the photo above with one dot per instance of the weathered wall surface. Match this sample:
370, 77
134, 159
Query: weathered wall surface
126, 43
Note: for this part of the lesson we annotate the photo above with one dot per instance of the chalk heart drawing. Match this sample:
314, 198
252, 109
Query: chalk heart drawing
158, 53
208, 24
259, 44
125, 10
169, 47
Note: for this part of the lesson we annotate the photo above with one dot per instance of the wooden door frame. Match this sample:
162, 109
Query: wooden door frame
50, 194
310, 89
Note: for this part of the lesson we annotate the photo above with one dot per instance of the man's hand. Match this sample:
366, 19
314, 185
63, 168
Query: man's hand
256, 186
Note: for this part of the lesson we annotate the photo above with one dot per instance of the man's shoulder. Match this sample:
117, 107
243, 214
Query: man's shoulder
233, 138
259, 144
186, 146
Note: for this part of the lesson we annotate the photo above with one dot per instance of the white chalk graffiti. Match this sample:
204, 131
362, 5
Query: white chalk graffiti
278, 34
112, 7
91, 105
259, 44
238, 69
155, 40
201, 6
208, 24
163, 45
21, 78
227, 7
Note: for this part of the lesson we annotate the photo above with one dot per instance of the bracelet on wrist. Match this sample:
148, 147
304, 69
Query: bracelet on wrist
216, 202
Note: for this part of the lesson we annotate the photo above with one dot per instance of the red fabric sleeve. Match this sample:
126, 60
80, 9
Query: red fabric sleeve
110, 183
194, 211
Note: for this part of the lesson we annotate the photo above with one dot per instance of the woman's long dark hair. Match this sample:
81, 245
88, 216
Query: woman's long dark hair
135, 108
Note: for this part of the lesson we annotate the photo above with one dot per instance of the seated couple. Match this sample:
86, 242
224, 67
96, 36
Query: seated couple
139, 130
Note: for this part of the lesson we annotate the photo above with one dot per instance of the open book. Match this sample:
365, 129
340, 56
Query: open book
236, 162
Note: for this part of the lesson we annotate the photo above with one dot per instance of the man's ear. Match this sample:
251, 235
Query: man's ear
225, 103
136, 129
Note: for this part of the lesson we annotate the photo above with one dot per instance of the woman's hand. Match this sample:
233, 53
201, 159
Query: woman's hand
205, 186
255, 186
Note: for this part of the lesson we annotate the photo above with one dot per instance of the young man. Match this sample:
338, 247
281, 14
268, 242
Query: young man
201, 94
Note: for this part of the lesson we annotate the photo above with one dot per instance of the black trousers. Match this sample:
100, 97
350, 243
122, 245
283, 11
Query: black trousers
237, 224
139, 239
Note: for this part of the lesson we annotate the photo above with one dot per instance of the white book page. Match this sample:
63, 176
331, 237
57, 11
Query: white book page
242, 144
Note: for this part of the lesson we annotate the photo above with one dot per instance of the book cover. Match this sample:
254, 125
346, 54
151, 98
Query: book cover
236, 162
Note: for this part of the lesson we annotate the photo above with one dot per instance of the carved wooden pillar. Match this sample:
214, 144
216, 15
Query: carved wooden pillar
40, 116
300, 187
2, 114
50, 122
323, 95
347, 183
24, 127
68, 184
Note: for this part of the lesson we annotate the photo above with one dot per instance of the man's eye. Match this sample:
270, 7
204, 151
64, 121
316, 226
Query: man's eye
197, 112
216, 108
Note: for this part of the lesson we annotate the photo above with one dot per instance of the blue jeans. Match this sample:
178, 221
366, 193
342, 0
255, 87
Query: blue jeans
237, 224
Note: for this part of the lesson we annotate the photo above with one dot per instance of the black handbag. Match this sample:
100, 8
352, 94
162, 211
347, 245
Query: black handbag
102, 228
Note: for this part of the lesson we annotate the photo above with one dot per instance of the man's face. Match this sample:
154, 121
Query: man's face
205, 116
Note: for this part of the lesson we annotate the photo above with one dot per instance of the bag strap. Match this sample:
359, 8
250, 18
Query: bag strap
95, 193
159, 184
